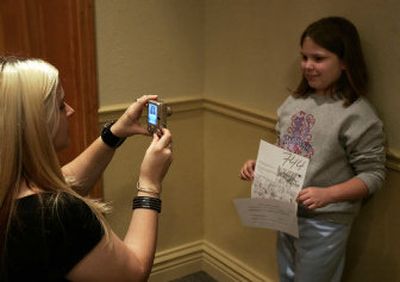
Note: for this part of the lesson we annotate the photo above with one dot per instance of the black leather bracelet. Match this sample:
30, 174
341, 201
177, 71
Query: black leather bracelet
109, 138
143, 202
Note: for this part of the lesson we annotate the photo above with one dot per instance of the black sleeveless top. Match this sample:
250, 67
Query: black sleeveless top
45, 241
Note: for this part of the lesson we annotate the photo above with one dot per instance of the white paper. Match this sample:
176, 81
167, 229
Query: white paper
268, 213
279, 176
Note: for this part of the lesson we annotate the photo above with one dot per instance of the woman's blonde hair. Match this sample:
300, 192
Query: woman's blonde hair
29, 117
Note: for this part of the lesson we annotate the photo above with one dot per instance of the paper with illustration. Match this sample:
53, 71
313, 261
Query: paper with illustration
279, 176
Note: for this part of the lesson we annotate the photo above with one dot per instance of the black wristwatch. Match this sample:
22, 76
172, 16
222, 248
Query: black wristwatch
109, 138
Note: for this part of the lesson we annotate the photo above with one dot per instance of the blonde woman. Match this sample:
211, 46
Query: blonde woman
48, 230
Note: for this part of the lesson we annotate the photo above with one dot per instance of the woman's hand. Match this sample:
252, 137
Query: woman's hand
314, 197
156, 161
129, 123
247, 170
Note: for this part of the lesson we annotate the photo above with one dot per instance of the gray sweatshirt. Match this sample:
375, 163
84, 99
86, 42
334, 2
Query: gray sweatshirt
341, 142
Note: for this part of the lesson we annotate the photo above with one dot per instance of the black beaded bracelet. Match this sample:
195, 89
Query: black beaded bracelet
143, 202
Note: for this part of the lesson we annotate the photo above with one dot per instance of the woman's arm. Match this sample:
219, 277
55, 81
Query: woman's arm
132, 258
86, 169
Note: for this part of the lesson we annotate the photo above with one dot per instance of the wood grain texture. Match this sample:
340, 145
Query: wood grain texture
62, 33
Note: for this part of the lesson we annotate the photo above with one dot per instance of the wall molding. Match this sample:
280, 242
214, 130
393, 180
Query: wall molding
185, 104
225, 267
178, 105
393, 159
177, 262
201, 255
240, 113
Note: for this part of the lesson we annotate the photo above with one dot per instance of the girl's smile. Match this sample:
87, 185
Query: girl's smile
321, 68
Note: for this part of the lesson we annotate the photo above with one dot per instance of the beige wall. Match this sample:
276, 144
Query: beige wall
155, 47
225, 67
252, 51
149, 47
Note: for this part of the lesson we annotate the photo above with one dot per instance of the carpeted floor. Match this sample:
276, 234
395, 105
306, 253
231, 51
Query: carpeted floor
200, 276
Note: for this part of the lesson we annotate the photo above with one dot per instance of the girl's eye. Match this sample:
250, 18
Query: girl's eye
62, 106
318, 59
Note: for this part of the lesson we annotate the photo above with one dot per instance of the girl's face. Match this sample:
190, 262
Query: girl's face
61, 139
321, 68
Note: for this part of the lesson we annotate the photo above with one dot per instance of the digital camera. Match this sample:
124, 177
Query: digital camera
157, 113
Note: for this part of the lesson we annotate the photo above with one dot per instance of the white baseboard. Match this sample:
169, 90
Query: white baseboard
201, 256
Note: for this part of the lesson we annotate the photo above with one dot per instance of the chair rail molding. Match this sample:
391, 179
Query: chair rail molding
237, 112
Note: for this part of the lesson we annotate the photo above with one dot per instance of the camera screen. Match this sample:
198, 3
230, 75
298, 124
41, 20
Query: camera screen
152, 114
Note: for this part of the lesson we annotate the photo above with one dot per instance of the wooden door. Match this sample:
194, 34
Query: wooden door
62, 33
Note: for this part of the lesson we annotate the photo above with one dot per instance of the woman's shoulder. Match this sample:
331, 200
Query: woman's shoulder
55, 205
56, 225
47, 198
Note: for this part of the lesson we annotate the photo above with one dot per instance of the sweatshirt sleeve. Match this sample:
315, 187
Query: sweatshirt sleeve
365, 145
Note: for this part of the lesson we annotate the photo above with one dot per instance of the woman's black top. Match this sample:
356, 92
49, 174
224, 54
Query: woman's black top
45, 241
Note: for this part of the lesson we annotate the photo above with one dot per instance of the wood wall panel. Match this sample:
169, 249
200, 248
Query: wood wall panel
61, 32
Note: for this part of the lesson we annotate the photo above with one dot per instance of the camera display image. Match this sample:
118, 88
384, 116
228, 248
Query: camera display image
152, 116
157, 112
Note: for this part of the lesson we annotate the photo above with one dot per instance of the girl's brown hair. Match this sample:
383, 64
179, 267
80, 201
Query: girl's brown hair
339, 36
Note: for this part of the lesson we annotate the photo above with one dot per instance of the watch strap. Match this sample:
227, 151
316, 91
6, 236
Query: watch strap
109, 138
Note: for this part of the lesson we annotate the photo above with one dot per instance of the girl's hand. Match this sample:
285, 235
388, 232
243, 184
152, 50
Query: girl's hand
314, 197
129, 123
156, 161
247, 170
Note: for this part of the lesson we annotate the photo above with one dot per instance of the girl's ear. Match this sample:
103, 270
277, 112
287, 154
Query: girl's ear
343, 66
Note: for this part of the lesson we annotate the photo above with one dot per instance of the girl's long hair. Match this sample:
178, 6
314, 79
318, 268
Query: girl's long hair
339, 36
29, 115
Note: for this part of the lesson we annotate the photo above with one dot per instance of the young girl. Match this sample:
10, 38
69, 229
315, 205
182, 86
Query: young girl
328, 120
49, 232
